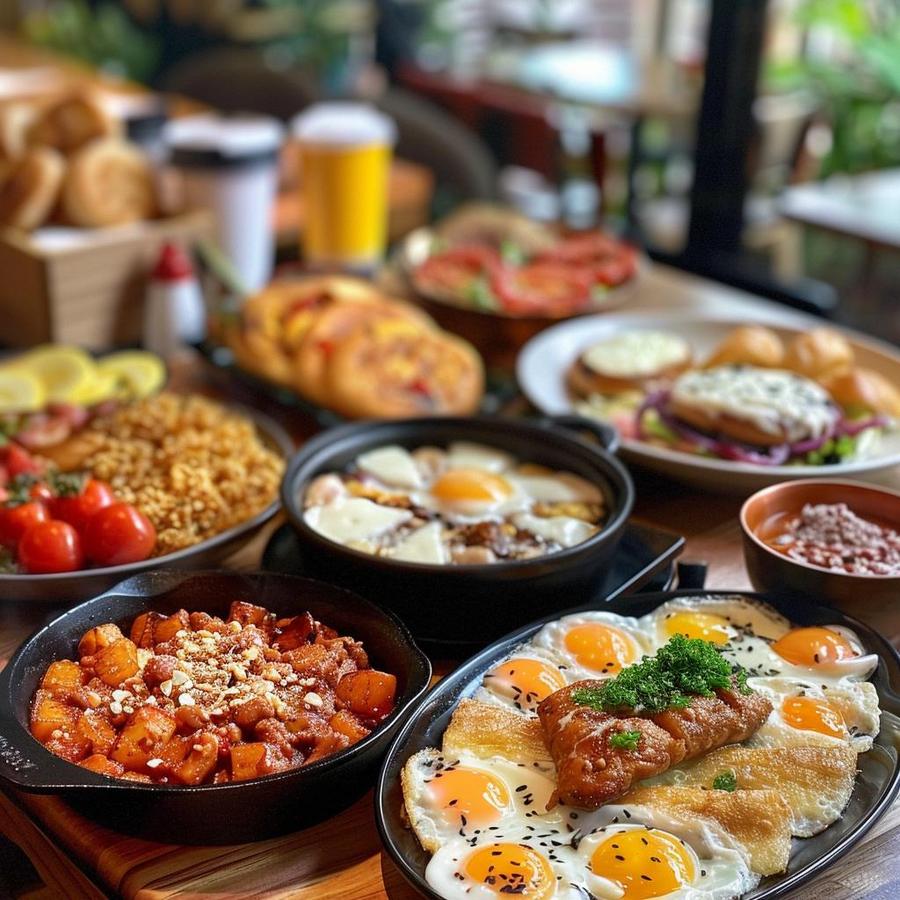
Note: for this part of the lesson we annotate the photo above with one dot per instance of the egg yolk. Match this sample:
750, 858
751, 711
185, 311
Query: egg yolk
706, 626
812, 714
478, 796
511, 869
813, 646
600, 648
527, 681
644, 862
471, 484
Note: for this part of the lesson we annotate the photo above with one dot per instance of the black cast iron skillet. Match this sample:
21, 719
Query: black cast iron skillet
472, 604
73, 587
226, 813
876, 785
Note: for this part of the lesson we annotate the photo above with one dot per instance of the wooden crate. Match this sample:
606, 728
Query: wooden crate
84, 287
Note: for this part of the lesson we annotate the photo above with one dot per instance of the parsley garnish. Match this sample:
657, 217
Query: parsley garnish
625, 740
683, 667
725, 781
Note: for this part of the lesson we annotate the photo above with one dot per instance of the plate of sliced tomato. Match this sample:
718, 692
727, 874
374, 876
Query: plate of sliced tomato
498, 279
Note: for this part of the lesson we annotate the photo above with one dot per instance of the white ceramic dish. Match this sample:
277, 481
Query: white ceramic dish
543, 362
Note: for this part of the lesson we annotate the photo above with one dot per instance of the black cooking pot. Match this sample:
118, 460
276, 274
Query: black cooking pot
447, 604
226, 813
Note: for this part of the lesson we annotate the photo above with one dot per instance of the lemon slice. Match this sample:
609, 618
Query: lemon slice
137, 372
19, 391
103, 386
63, 371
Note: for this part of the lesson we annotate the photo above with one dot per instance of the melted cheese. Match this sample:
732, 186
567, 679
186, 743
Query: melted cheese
467, 455
774, 401
391, 465
354, 519
637, 354
424, 545
561, 487
562, 530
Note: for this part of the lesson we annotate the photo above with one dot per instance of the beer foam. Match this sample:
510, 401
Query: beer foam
344, 124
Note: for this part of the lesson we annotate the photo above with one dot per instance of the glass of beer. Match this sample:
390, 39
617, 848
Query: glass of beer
345, 154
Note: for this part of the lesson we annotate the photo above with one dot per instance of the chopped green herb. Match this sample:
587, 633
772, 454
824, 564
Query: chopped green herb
725, 781
511, 253
683, 667
479, 292
625, 740
598, 292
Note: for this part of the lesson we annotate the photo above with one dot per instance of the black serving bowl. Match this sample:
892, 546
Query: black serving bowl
207, 814
444, 604
876, 786
73, 587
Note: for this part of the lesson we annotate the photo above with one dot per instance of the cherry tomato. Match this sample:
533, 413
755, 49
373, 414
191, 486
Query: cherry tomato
543, 288
453, 271
119, 534
16, 520
50, 546
40, 491
78, 509
19, 461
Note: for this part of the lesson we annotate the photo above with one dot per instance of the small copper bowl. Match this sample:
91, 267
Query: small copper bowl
868, 597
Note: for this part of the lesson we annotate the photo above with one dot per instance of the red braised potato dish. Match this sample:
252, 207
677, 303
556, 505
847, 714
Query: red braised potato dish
192, 699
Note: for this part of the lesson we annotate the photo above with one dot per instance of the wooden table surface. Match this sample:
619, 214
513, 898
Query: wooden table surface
342, 858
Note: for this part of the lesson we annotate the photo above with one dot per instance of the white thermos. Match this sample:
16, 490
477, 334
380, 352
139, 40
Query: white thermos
230, 166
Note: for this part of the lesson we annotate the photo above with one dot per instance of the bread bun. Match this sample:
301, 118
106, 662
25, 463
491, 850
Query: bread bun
16, 117
70, 123
749, 345
631, 360
864, 390
108, 182
819, 353
30, 189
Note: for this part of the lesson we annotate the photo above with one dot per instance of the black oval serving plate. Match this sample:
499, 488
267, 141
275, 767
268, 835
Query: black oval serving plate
876, 785
73, 587
207, 814
468, 604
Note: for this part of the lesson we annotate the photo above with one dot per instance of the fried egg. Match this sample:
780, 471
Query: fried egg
637, 852
471, 494
809, 712
755, 636
467, 796
593, 644
523, 680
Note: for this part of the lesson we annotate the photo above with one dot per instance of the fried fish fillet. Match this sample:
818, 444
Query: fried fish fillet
758, 820
592, 770
815, 781
488, 730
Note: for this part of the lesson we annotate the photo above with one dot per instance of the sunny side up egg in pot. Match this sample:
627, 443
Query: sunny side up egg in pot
466, 504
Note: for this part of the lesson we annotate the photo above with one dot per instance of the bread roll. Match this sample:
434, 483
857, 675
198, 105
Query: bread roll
748, 345
30, 189
864, 390
819, 353
108, 182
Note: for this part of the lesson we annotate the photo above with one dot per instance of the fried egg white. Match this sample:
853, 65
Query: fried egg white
594, 644
637, 852
816, 714
523, 680
467, 796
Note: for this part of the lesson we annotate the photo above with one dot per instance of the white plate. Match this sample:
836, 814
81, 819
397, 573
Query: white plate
544, 360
